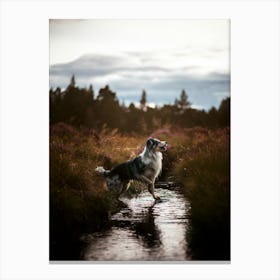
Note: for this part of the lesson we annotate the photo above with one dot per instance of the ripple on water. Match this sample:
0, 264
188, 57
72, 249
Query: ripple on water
144, 230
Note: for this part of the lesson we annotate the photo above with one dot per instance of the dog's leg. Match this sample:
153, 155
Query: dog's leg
150, 184
124, 187
144, 179
151, 189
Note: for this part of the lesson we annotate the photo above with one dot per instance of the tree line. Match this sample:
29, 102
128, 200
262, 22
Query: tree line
80, 107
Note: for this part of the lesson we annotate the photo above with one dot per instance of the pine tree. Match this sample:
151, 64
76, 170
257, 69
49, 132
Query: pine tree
183, 103
73, 82
91, 91
143, 101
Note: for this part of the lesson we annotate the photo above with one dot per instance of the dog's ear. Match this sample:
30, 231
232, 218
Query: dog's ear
150, 143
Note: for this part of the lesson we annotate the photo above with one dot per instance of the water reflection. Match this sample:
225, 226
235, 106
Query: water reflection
143, 231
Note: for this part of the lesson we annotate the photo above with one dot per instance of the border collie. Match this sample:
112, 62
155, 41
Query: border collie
145, 168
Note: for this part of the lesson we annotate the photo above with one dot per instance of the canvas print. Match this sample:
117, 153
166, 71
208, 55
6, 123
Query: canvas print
139, 140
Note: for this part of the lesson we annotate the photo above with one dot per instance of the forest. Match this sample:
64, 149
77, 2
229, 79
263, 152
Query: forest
81, 108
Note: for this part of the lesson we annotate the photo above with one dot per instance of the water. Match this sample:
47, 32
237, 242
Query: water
143, 231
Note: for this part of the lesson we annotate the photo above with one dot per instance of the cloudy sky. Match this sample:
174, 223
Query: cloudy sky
161, 56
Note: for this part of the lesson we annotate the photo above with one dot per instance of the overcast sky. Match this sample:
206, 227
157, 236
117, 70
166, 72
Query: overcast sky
161, 56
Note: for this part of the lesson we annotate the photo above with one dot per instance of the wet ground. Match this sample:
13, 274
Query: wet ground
143, 230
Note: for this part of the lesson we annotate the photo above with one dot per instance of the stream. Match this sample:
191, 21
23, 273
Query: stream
143, 230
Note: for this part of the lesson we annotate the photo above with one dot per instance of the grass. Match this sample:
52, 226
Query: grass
198, 159
79, 201
202, 168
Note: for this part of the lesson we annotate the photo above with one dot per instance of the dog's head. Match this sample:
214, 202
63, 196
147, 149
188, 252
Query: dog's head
155, 145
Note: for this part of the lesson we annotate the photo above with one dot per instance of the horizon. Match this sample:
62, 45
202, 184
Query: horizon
162, 57
137, 104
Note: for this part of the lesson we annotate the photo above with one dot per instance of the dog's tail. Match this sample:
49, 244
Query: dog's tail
101, 171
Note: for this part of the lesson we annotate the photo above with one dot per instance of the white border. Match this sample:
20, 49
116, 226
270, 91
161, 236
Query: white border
255, 138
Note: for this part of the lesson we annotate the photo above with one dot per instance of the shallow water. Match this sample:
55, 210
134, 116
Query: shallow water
143, 231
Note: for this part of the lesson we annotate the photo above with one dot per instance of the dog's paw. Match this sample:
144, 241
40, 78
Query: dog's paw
99, 169
157, 199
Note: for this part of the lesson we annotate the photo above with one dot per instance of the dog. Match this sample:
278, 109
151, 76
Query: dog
145, 168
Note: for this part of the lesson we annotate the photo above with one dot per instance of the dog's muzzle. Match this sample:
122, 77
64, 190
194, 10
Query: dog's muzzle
163, 148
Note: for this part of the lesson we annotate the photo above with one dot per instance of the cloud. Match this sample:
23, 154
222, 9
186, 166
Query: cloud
163, 75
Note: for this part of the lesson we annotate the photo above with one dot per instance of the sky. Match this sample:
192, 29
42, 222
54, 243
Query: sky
162, 57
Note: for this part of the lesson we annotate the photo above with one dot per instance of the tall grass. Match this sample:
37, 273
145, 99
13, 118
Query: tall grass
79, 200
202, 167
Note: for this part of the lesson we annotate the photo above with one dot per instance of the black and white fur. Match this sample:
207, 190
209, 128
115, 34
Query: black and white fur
145, 168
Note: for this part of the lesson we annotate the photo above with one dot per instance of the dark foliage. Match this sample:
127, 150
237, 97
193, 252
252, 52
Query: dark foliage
202, 168
79, 107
